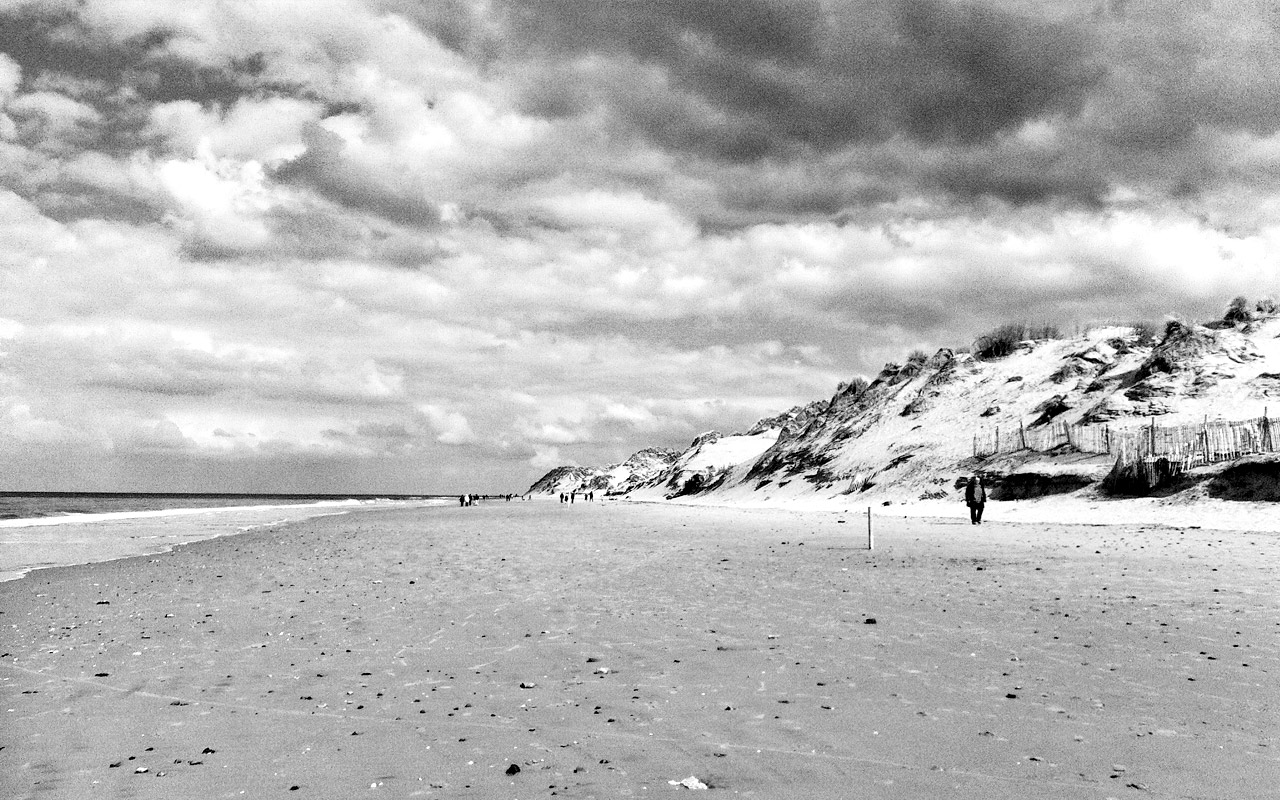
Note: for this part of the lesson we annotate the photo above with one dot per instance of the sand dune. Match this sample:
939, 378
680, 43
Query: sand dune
608, 649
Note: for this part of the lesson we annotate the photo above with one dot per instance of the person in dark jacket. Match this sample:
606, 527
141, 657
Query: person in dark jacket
975, 496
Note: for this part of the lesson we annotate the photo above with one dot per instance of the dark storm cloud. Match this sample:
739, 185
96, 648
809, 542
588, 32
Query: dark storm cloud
120, 79
742, 81
72, 201
317, 233
325, 169
1016, 175
974, 71
50, 44
90, 187
918, 97
322, 231
661, 30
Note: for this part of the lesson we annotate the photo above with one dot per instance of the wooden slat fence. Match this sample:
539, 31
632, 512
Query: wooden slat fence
1208, 442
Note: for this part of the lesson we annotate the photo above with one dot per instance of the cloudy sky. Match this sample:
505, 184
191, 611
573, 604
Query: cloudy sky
444, 245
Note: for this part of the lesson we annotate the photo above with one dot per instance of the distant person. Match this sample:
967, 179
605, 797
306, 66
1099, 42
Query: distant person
462, 500
975, 496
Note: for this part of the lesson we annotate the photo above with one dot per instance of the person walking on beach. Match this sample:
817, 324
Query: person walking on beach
975, 496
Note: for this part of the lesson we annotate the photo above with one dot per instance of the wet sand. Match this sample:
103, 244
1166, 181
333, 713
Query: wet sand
608, 649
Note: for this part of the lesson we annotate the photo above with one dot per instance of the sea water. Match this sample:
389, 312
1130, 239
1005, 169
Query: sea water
40, 530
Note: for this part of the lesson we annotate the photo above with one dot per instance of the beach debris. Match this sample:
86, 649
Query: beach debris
528, 685
602, 670
869, 621
140, 770
207, 751
514, 769
690, 782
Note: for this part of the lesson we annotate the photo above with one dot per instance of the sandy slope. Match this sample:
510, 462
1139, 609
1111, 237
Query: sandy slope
915, 429
383, 654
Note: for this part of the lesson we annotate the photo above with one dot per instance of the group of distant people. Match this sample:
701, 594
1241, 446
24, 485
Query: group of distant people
465, 500
572, 497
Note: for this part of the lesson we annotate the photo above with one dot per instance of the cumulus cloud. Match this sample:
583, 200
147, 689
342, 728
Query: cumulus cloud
546, 458
450, 426
10, 75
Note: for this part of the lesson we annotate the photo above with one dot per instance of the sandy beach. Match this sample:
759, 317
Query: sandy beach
611, 649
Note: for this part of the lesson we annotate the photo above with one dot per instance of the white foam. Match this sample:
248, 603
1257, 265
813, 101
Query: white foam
59, 541
107, 516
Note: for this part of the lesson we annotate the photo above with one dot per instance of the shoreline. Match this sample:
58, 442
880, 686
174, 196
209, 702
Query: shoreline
1240, 517
608, 649
162, 530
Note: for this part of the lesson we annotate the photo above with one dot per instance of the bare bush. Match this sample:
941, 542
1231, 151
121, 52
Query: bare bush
854, 387
915, 364
1147, 332
1238, 311
1000, 342
1004, 340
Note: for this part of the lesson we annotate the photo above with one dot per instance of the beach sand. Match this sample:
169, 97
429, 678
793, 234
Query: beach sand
607, 649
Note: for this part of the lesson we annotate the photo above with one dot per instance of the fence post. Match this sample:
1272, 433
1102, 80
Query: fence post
1266, 431
1022, 435
1206, 439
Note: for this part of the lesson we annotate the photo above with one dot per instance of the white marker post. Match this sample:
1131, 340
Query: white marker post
870, 545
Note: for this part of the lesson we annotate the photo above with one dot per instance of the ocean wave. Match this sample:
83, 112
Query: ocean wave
82, 518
